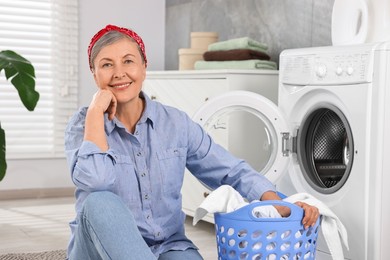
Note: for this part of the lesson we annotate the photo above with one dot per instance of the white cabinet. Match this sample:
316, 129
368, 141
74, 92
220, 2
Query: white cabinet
185, 94
189, 90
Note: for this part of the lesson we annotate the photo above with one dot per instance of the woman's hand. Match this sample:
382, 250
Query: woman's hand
102, 102
311, 213
105, 101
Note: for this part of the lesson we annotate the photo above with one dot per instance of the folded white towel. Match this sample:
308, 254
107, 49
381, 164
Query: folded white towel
331, 225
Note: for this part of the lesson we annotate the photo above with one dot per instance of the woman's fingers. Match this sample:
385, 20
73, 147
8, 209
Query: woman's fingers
112, 108
311, 214
106, 101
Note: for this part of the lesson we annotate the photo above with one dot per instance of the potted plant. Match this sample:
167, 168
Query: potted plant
21, 73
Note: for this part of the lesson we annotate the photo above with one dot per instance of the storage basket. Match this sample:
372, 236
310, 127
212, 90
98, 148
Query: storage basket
188, 57
202, 40
242, 235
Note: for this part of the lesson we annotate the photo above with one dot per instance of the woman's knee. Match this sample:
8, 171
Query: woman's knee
190, 254
99, 201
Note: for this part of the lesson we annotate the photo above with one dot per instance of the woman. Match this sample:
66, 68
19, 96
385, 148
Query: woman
127, 155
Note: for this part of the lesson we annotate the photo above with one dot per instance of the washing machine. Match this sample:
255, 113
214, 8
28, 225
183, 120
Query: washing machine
327, 136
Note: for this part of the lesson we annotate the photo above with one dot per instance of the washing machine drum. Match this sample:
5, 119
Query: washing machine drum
325, 149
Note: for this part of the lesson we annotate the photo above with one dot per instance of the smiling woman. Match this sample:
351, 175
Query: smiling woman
118, 62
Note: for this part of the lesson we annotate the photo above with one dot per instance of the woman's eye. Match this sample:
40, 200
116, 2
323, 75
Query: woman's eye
128, 61
106, 65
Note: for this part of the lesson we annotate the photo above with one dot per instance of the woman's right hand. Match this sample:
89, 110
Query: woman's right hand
105, 101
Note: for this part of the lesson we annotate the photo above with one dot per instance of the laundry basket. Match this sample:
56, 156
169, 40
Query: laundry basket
242, 235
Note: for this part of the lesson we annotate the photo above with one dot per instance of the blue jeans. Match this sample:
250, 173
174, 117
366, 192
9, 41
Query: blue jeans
107, 230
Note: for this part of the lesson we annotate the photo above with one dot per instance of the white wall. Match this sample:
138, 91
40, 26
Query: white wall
147, 18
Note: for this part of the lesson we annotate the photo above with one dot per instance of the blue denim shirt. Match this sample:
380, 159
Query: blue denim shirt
146, 169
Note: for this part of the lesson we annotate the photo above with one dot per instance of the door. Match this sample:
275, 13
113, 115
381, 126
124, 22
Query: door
251, 127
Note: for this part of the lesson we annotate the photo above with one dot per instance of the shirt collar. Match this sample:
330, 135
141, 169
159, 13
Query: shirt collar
147, 116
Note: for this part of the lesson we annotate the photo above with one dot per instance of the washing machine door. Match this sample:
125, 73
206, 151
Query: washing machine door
251, 127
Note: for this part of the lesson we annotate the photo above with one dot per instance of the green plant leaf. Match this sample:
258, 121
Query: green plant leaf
22, 75
3, 163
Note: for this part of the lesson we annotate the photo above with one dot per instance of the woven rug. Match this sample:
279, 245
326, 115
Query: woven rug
50, 255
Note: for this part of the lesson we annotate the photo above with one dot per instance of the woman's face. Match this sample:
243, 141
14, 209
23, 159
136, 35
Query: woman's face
119, 68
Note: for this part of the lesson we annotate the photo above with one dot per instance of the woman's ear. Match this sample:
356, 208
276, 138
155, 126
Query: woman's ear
94, 76
144, 71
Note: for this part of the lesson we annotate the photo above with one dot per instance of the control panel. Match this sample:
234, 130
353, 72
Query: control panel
327, 68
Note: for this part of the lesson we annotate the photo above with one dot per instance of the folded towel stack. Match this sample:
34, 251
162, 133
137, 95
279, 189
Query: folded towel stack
239, 53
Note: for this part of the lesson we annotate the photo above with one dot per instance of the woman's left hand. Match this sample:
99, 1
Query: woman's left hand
311, 214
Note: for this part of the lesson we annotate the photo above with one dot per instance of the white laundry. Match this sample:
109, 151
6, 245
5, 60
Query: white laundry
331, 225
266, 211
226, 199
223, 199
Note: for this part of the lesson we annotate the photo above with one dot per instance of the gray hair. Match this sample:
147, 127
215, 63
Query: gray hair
108, 39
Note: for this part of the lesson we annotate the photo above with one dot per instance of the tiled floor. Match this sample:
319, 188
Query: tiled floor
36, 225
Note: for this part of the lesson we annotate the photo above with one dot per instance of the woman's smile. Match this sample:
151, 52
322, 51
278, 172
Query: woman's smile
121, 86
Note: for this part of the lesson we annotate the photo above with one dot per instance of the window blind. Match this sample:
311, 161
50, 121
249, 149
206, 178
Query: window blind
45, 32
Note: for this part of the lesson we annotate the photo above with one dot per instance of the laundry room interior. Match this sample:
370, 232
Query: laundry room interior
298, 91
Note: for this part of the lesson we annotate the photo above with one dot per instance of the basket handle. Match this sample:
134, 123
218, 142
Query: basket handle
295, 215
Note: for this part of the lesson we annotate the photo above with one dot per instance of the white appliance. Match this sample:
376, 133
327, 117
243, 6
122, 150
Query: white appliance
360, 21
329, 136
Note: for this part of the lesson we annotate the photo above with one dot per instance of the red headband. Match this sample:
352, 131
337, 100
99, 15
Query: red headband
126, 31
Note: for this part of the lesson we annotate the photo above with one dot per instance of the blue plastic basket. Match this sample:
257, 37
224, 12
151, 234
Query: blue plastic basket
242, 235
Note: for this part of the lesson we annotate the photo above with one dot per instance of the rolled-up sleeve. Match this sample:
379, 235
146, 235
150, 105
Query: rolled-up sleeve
91, 169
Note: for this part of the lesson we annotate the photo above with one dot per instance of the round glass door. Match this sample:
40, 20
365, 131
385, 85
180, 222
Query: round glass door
249, 126
246, 133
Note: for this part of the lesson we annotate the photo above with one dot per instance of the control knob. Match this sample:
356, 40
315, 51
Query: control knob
349, 71
321, 71
339, 71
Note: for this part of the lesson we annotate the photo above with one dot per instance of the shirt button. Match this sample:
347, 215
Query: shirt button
146, 196
136, 133
158, 234
148, 217
143, 174
139, 154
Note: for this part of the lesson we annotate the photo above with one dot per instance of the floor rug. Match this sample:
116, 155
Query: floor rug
49, 255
